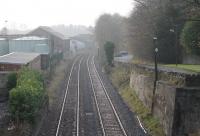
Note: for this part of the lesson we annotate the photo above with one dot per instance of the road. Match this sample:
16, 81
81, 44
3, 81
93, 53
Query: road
88, 105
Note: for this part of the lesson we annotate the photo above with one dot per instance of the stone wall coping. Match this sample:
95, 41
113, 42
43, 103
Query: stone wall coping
169, 70
162, 69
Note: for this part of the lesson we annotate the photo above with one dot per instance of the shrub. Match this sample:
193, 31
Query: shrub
109, 51
26, 99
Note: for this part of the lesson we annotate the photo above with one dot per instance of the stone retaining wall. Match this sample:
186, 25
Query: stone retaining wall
187, 112
143, 86
164, 105
176, 102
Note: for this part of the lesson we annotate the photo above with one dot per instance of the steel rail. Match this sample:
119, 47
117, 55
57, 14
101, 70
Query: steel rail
78, 103
108, 97
65, 96
95, 98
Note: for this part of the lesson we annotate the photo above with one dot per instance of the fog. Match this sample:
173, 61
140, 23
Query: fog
28, 14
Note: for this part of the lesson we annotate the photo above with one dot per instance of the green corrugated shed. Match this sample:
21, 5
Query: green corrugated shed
29, 44
4, 48
42, 48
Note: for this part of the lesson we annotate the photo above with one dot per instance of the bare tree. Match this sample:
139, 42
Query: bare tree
110, 28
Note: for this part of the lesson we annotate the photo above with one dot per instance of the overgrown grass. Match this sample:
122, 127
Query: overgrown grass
119, 77
193, 68
140, 61
58, 76
151, 123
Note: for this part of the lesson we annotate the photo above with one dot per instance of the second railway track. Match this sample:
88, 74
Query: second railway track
110, 122
68, 123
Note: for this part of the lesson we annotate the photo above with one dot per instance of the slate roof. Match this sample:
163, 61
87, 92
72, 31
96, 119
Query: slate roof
18, 58
51, 31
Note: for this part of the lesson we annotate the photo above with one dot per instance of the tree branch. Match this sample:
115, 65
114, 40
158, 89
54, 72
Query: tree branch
141, 3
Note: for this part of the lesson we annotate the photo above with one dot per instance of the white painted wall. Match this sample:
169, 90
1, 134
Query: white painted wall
76, 45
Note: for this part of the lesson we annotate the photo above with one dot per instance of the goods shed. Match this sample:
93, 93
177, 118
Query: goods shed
56, 39
29, 44
4, 49
16, 60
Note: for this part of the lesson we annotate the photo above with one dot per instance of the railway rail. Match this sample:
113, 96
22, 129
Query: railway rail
69, 113
86, 108
110, 121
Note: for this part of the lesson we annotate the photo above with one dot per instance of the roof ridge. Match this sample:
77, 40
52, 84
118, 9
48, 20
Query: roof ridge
52, 31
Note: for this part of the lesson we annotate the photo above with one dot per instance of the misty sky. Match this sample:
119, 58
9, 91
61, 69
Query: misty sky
25, 14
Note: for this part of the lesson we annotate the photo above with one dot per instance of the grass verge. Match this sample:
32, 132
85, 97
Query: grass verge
193, 68
58, 77
119, 77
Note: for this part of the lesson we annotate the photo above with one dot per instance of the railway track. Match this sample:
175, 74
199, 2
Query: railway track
68, 123
71, 116
48, 126
89, 120
110, 121
85, 107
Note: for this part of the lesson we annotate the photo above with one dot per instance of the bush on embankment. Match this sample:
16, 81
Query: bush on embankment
27, 97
